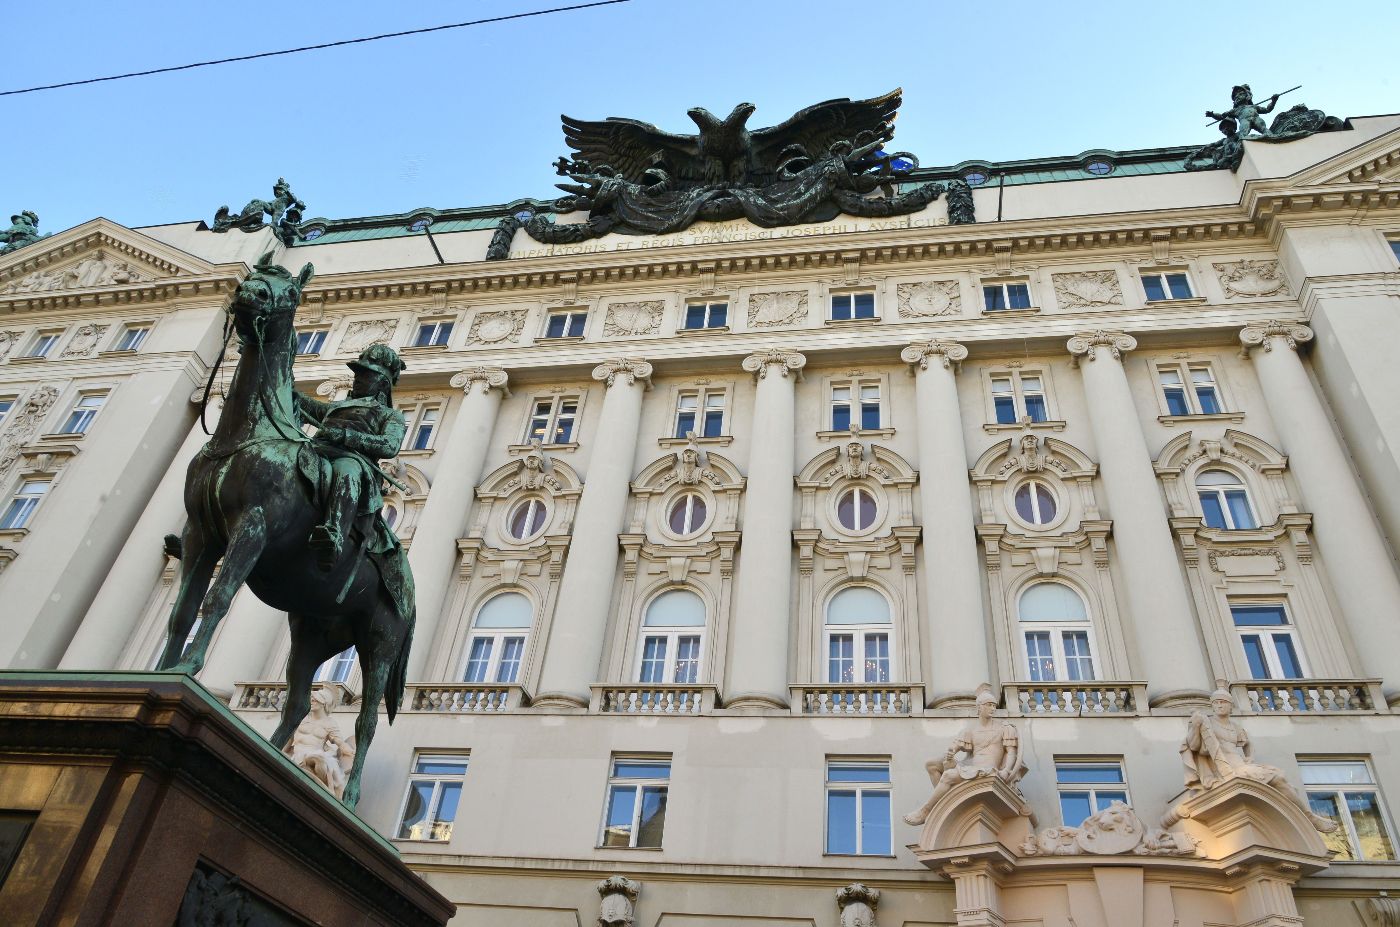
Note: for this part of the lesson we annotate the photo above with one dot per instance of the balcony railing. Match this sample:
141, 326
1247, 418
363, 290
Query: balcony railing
464, 697
1071, 699
271, 695
845, 699
653, 698
1310, 696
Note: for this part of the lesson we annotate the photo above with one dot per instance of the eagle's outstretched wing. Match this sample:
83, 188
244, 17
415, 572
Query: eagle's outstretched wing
816, 127
630, 146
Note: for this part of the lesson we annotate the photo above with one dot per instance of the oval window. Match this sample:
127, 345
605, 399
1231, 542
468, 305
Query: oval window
855, 510
688, 514
391, 514
975, 178
1035, 504
527, 519
1098, 168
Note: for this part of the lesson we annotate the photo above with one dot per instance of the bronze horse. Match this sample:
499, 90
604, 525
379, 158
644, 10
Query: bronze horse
251, 501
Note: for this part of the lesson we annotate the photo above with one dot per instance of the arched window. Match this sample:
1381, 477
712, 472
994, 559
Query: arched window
688, 514
526, 519
1035, 503
858, 636
855, 510
338, 667
497, 642
1057, 634
1224, 501
672, 634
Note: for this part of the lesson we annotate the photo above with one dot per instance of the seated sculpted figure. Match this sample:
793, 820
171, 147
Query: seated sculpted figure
318, 746
1217, 749
991, 748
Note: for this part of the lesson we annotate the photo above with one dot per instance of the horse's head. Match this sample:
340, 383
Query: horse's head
271, 293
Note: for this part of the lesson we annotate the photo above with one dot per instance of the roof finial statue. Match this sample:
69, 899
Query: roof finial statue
1245, 120
23, 230
284, 210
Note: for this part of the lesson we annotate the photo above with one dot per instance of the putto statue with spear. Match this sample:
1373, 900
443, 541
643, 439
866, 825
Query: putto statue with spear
1248, 116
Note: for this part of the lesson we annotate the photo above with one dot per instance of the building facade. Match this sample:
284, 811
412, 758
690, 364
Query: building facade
717, 534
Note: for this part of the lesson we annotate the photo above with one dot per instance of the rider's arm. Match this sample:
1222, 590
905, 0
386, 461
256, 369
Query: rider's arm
313, 410
380, 446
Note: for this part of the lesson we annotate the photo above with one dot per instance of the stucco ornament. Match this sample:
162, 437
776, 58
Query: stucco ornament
1261, 334
1113, 831
489, 377
921, 353
25, 422
627, 370
532, 468
775, 359
635, 318
989, 748
767, 310
84, 341
362, 333
1088, 289
499, 327
1250, 279
1083, 344
928, 298
853, 460
94, 270
690, 462
1217, 749
619, 898
8, 340
317, 745
1384, 910
857, 904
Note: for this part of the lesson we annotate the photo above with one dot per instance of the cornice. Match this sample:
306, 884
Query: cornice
213, 288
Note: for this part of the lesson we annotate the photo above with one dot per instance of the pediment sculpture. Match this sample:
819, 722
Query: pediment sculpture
96, 269
1112, 831
632, 178
989, 747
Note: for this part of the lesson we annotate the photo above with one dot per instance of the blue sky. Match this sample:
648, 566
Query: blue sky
470, 116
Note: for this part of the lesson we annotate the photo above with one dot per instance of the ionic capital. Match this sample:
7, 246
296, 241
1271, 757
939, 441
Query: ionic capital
921, 353
489, 377
775, 358
629, 370
334, 385
1083, 344
1262, 334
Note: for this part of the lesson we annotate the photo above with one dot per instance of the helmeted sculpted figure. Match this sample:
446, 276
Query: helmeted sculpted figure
1245, 120
317, 745
990, 748
284, 213
355, 434
23, 230
1217, 750
1247, 115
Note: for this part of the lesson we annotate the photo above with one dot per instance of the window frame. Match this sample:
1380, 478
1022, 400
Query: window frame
413, 413
707, 315
859, 634
1338, 791
1013, 489
545, 516
639, 784
498, 637
1004, 284
435, 800
855, 403
442, 328
1222, 500
1057, 631
850, 294
697, 528
703, 395
75, 411
311, 333
1184, 370
1164, 275
18, 496
569, 313
1018, 395
557, 402
859, 787
127, 331
39, 337
1270, 652
670, 659
857, 487
1091, 788
8, 401
339, 668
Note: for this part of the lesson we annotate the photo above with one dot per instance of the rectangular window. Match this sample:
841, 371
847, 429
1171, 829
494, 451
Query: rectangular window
25, 501
1345, 791
311, 341
82, 414
1189, 389
1059, 655
1000, 296
670, 657
858, 807
567, 323
43, 343
635, 810
6, 404
855, 401
494, 657
846, 307
432, 334
841, 664
1395, 248
422, 425
552, 421
706, 315
133, 336
1019, 396
1269, 641
1166, 286
1086, 788
434, 791
701, 412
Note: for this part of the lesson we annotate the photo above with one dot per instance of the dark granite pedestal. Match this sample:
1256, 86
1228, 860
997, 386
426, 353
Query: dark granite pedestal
139, 800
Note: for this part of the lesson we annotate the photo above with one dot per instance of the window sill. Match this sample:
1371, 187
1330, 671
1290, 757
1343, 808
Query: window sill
1192, 301
28, 359
420, 840
417, 452
1010, 313
414, 349
859, 856
309, 355
567, 448
992, 428
127, 352
1213, 417
560, 339
631, 849
862, 433
62, 437
874, 321
716, 440
714, 329
13, 534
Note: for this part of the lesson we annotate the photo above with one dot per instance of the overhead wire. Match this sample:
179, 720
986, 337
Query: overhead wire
305, 48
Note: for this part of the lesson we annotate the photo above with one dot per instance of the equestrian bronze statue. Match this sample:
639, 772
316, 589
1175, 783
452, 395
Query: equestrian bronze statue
296, 517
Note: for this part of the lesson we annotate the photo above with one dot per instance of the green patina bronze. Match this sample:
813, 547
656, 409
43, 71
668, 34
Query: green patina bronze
1245, 120
23, 230
283, 212
297, 518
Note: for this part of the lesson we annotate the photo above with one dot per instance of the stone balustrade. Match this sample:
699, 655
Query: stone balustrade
463, 697
271, 695
870, 699
1310, 696
653, 698
1083, 699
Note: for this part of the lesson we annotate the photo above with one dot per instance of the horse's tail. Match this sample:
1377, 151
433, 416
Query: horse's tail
398, 673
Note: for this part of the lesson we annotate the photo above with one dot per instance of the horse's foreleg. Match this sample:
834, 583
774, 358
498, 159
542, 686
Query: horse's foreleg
374, 669
307, 654
245, 546
197, 561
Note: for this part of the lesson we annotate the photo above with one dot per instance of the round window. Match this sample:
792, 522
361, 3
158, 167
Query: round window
975, 178
391, 514
525, 215
527, 519
688, 514
1035, 504
312, 234
1098, 168
421, 224
855, 510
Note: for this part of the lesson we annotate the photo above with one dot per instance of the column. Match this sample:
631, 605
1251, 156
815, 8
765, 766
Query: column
955, 636
758, 653
1362, 573
445, 516
574, 650
112, 618
1168, 640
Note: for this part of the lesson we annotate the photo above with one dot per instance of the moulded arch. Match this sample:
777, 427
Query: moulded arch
856, 589
715, 470
676, 606
560, 478
1003, 459
882, 465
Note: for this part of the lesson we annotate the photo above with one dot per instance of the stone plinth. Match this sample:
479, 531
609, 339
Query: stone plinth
143, 794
